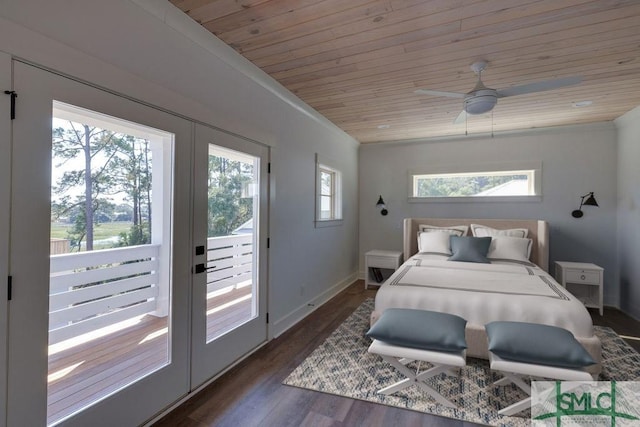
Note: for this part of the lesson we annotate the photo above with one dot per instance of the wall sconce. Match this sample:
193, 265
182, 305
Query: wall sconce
591, 201
383, 208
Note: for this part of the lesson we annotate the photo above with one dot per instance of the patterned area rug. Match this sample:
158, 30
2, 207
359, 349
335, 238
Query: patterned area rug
342, 366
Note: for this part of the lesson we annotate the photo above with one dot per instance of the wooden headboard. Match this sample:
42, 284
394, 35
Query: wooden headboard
538, 232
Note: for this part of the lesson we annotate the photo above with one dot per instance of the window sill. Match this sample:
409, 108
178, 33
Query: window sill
328, 223
487, 199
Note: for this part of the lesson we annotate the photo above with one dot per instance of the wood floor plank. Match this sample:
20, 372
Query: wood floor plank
147, 324
367, 414
619, 322
227, 319
109, 348
335, 407
112, 380
291, 409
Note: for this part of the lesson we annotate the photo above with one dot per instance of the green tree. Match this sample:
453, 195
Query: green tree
81, 142
134, 165
98, 165
461, 186
228, 209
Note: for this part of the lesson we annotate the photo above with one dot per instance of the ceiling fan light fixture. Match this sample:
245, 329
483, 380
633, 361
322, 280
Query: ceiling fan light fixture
480, 103
481, 99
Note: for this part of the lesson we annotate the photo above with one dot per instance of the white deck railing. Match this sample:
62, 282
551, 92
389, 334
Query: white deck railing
232, 257
91, 290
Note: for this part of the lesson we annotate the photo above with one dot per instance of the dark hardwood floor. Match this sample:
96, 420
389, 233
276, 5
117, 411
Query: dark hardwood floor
252, 394
627, 327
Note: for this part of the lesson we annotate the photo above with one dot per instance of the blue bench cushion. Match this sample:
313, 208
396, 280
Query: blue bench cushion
536, 344
428, 330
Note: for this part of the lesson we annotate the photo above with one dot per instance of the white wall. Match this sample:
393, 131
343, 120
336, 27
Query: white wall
310, 258
575, 160
628, 127
140, 49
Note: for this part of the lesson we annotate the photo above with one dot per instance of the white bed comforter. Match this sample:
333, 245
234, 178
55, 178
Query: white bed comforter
482, 293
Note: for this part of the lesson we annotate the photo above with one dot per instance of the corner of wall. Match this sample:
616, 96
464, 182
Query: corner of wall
628, 211
628, 118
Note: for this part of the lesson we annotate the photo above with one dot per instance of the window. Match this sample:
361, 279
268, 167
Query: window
489, 183
328, 195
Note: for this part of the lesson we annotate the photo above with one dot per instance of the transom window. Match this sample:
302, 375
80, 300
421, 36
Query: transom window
489, 184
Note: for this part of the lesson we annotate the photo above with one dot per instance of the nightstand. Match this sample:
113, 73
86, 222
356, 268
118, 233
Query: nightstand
385, 261
583, 280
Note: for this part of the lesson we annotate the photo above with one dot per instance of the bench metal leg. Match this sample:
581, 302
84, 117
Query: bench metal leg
417, 379
502, 381
516, 407
515, 379
519, 382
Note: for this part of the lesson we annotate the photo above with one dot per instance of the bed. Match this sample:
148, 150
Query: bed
506, 289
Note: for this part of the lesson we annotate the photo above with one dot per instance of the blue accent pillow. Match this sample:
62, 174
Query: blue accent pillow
537, 344
470, 249
428, 330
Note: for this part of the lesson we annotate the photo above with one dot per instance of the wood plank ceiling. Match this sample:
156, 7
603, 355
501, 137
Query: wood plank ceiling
358, 62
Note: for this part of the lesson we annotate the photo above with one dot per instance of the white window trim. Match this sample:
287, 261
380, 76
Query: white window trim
536, 167
326, 164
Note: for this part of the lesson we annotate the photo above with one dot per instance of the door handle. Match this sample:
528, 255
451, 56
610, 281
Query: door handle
200, 268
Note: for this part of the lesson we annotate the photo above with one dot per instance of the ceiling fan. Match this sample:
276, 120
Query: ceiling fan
482, 99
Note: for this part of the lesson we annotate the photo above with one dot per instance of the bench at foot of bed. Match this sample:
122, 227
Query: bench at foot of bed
518, 350
402, 336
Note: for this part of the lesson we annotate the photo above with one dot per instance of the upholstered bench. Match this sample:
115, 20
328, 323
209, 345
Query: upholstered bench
402, 336
518, 349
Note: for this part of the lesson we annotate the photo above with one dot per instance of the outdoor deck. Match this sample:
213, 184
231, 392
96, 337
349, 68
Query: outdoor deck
89, 371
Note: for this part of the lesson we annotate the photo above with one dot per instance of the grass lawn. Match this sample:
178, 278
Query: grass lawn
102, 231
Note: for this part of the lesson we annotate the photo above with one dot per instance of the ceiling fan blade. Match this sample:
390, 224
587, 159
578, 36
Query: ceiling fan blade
539, 86
462, 117
439, 93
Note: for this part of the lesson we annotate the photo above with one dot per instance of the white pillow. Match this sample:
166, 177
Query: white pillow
512, 248
456, 230
434, 241
484, 231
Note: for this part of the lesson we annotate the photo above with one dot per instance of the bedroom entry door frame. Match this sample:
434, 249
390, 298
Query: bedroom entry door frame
229, 308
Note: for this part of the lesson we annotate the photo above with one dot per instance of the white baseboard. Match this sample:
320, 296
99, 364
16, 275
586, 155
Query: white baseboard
281, 325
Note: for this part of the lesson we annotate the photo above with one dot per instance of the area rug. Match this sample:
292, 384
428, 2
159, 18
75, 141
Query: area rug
342, 366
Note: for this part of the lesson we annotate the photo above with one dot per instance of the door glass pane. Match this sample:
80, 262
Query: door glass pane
232, 219
110, 284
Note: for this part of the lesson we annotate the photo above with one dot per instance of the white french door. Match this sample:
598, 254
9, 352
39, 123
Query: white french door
112, 318
229, 310
5, 197
98, 323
